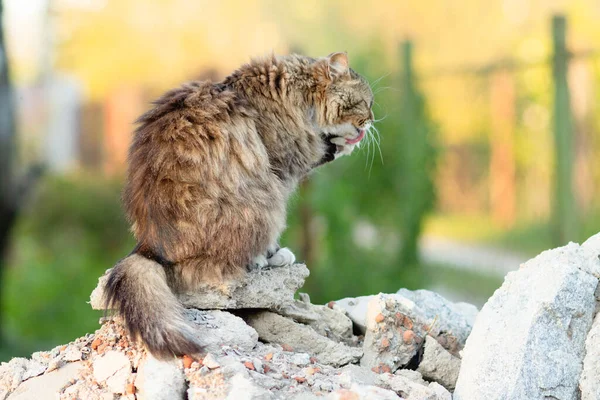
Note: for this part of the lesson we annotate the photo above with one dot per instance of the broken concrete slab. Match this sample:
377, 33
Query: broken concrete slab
324, 320
411, 390
394, 333
260, 288
438, 364
112, 369
160, 380
44, 386
217, 328
453, 320
356, 309
274, 328
363, 392
529, 338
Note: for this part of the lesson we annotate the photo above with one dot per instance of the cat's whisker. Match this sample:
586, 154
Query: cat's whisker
378, 142
378, 80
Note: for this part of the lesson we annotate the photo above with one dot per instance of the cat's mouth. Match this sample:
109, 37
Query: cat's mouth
358, 138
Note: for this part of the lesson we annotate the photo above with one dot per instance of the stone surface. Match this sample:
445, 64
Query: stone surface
528, 339
454, 319
260, 288
160, 380
589, 382
356, 309
362, 392
274, 328
438, 364
45, 386
327, 322
114, 369
240, 387
220, 328
410, 390
394, 332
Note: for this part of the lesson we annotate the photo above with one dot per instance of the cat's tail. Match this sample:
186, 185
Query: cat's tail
137, 288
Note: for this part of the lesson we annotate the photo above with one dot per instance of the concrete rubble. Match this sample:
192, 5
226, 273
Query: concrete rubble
528, 341
535, 338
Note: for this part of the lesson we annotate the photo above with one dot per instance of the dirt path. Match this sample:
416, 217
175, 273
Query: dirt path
470, 257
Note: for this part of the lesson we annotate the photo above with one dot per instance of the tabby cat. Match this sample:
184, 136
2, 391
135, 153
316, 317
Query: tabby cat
211, 167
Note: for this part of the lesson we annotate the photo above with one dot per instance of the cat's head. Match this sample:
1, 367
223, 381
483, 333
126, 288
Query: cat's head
344, 100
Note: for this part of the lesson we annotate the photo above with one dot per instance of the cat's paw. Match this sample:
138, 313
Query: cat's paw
259, 262
282, 257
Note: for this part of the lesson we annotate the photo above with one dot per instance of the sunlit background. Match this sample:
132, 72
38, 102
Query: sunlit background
488, 152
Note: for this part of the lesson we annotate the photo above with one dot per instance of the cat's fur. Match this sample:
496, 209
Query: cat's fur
211, 167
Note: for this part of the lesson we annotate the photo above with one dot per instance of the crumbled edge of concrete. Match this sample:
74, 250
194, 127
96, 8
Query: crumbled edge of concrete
260, 288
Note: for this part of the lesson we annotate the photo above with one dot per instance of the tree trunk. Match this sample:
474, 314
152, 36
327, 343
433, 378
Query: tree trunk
8, 188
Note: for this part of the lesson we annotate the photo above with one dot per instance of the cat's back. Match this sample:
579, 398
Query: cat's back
197, 147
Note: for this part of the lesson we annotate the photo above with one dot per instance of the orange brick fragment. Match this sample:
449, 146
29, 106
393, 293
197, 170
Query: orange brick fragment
300, 379
381, 368
408, 336
249, 365
269, 356
379, 318
187, 361
130, 388
287, 347
97, 342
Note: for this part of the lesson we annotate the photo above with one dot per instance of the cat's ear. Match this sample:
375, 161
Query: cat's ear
337, 65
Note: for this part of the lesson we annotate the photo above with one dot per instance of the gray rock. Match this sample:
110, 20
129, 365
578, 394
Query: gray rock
219, 328
363, 392
16, 371
589, 383
210, 362
113, 369
393, 337
356, 309
242, 388
439, 365
160, 380
264, 288
325, 321
455, 319
274, 328
528, 339
45, 386
356, 374
410, 390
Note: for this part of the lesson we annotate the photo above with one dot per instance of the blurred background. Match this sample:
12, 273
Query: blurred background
490, 130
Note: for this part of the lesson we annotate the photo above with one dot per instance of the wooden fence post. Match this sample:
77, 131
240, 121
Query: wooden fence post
564, 215
503, 186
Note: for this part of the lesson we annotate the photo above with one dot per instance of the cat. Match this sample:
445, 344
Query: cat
211, 167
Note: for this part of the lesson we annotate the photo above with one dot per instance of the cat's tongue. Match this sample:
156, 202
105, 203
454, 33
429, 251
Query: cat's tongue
361, 135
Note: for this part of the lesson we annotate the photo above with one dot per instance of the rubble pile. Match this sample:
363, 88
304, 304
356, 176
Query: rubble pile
536, 337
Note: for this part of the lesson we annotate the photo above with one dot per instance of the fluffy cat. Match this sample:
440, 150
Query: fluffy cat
211, 168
